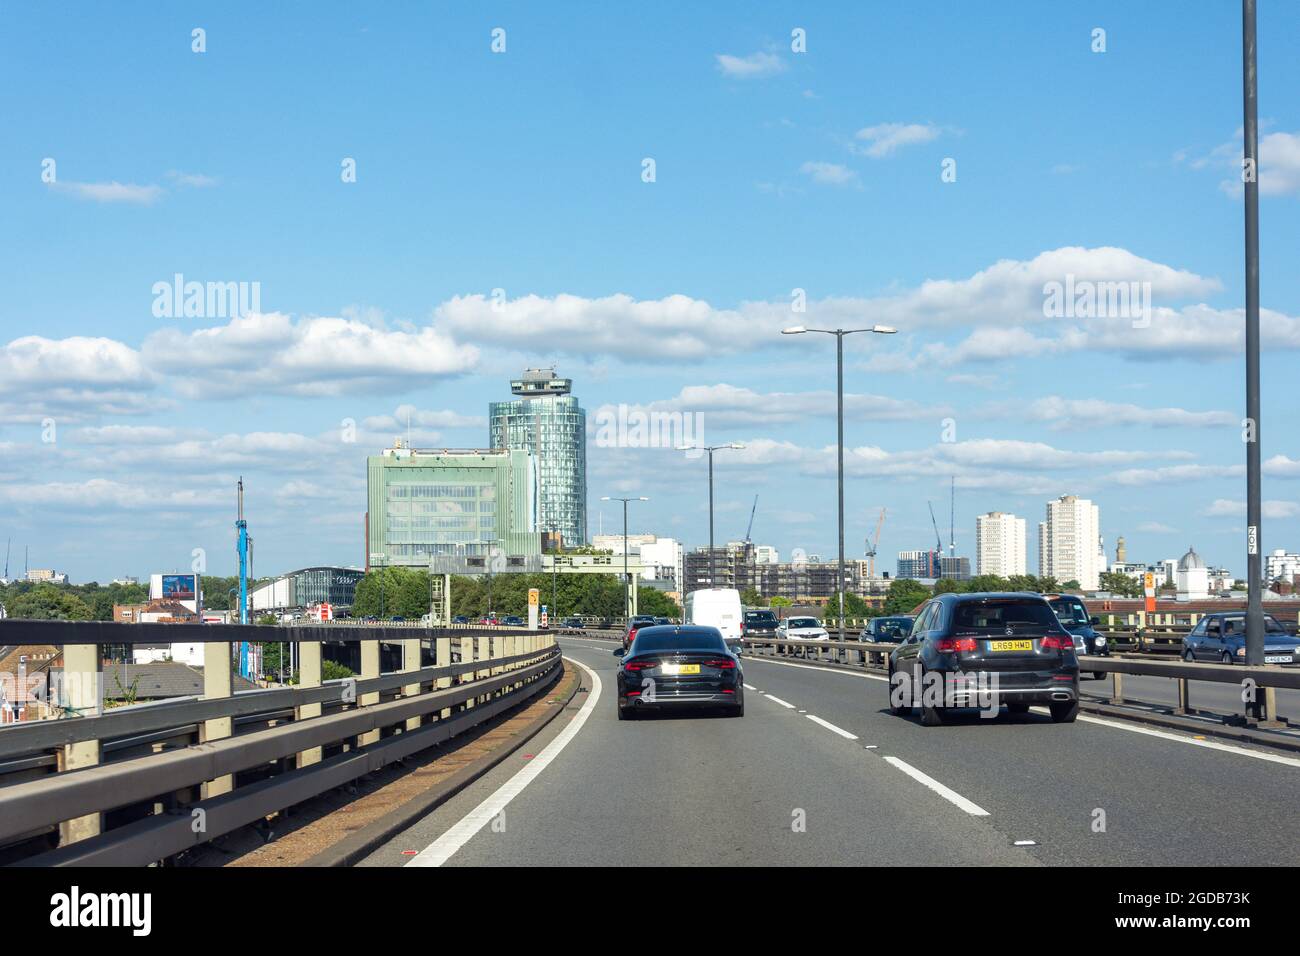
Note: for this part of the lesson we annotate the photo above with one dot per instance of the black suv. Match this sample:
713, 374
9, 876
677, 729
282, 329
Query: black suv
887, 630
1008, 647
759, 625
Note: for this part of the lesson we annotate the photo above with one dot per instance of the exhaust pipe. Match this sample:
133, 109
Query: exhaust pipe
1060, 696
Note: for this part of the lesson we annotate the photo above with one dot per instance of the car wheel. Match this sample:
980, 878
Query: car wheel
1017, 707
1064, 712
930, 716
1226, 659
625, 713
1187, 656
738, 711
896, 711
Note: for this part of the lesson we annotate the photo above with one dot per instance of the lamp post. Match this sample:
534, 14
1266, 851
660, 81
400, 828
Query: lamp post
839, 404
627, 581
1254, 508
710, 449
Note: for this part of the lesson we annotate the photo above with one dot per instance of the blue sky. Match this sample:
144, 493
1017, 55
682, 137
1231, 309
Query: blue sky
522, 171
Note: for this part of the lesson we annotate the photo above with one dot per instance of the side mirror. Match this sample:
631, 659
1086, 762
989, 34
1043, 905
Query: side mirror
1094, 621
619, 651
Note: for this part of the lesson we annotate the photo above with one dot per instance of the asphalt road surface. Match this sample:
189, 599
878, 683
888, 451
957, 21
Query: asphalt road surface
818, 772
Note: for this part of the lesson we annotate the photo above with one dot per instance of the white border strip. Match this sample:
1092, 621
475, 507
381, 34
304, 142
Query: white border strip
952, 796
445, 847
831, 727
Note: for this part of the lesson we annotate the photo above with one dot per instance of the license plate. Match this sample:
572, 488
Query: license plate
1011, 645
1278, 659
678, 670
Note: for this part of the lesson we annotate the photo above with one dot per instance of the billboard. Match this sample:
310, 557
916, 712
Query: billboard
179, 587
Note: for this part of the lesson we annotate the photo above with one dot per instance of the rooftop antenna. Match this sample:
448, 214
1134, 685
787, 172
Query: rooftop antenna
952, 520
7, 544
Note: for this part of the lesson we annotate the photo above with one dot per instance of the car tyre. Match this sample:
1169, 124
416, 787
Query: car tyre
1226, 659
738, 710
1187, 656
1064, 712
1098, 675
896, 711
625, 713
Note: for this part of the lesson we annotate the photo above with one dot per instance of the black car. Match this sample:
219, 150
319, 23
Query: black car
679, 666
574, 623
662, 620
638, 621
460, 619
759, 625
1222, 637
512, 621
1088, 641
1009, 647
888, 630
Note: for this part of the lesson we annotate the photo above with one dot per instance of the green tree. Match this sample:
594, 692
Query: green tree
1120, 584
947, 586
779, 601
751, 598
1072, 585
653, 601
48, 602
904, 595
988, 582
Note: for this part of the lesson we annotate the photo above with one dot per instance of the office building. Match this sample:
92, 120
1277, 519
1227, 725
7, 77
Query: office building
1069, 542
306, 588
919, 565
458, 504
546, 421
1281, 565
661, 559
955, 567
1000, 544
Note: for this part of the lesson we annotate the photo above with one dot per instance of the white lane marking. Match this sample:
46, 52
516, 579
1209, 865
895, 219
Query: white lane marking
751, 687
1025, 843
831, 727
952, 796
1164, 735
779, 701
824, 670
442, 849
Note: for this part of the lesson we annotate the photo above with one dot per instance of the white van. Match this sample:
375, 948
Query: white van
720, 608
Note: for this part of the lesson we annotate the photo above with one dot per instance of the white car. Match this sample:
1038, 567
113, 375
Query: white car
801, 629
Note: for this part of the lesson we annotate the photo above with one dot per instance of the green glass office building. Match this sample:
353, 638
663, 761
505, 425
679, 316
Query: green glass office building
428, 504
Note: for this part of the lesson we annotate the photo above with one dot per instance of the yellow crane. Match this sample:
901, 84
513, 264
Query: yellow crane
871, 546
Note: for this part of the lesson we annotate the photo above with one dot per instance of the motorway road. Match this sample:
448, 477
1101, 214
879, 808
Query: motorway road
701, 789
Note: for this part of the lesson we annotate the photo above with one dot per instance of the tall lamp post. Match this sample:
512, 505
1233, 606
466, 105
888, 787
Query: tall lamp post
1254, 509
710, 449
627, 581
839, 404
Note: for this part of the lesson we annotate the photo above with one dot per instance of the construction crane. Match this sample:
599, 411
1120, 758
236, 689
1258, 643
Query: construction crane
938, 538
872, 544
750, 529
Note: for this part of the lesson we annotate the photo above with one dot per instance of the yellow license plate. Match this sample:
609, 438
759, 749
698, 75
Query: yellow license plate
1011, 645
681, 669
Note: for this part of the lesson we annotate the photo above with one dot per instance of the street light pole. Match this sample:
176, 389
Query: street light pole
1250, 169
710, 449
839, 423
627, 578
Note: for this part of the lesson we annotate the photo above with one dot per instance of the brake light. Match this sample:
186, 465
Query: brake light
1058, 642
722, 665
638, 665
954, 644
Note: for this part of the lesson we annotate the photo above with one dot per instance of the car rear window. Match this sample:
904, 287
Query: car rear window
892, 627
679, 641
998, 615
803, 622
760, 617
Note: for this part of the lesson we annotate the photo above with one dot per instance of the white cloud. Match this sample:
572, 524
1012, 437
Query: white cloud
1226, 507
110, 192
72, 378
193, 180
1155, 527
1281, 466
423, 418
887, 138
98, 494
829, 174
750, 67
1089, 413
311, 356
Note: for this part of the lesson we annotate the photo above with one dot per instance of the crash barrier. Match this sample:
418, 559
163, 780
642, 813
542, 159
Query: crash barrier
135, 784
1259, 683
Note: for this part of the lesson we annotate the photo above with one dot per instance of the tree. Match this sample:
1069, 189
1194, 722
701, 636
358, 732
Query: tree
1121, 584
751, 598
947, 586
653, 601
988, 582
904, 595
1072, 585
779, 601
47, 602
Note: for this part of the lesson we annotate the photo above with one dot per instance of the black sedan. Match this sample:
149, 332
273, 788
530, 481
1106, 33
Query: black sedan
678, 666
1222, 637
968, 650
888, 630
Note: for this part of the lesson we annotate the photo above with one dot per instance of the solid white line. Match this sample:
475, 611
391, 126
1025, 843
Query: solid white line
1177, 738
952, 796
831, 727
751, 687
810, 667
779, 701
442, 849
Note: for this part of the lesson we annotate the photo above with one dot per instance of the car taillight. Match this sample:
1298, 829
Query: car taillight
1058, 642
955, 644
639, 665
722, 665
